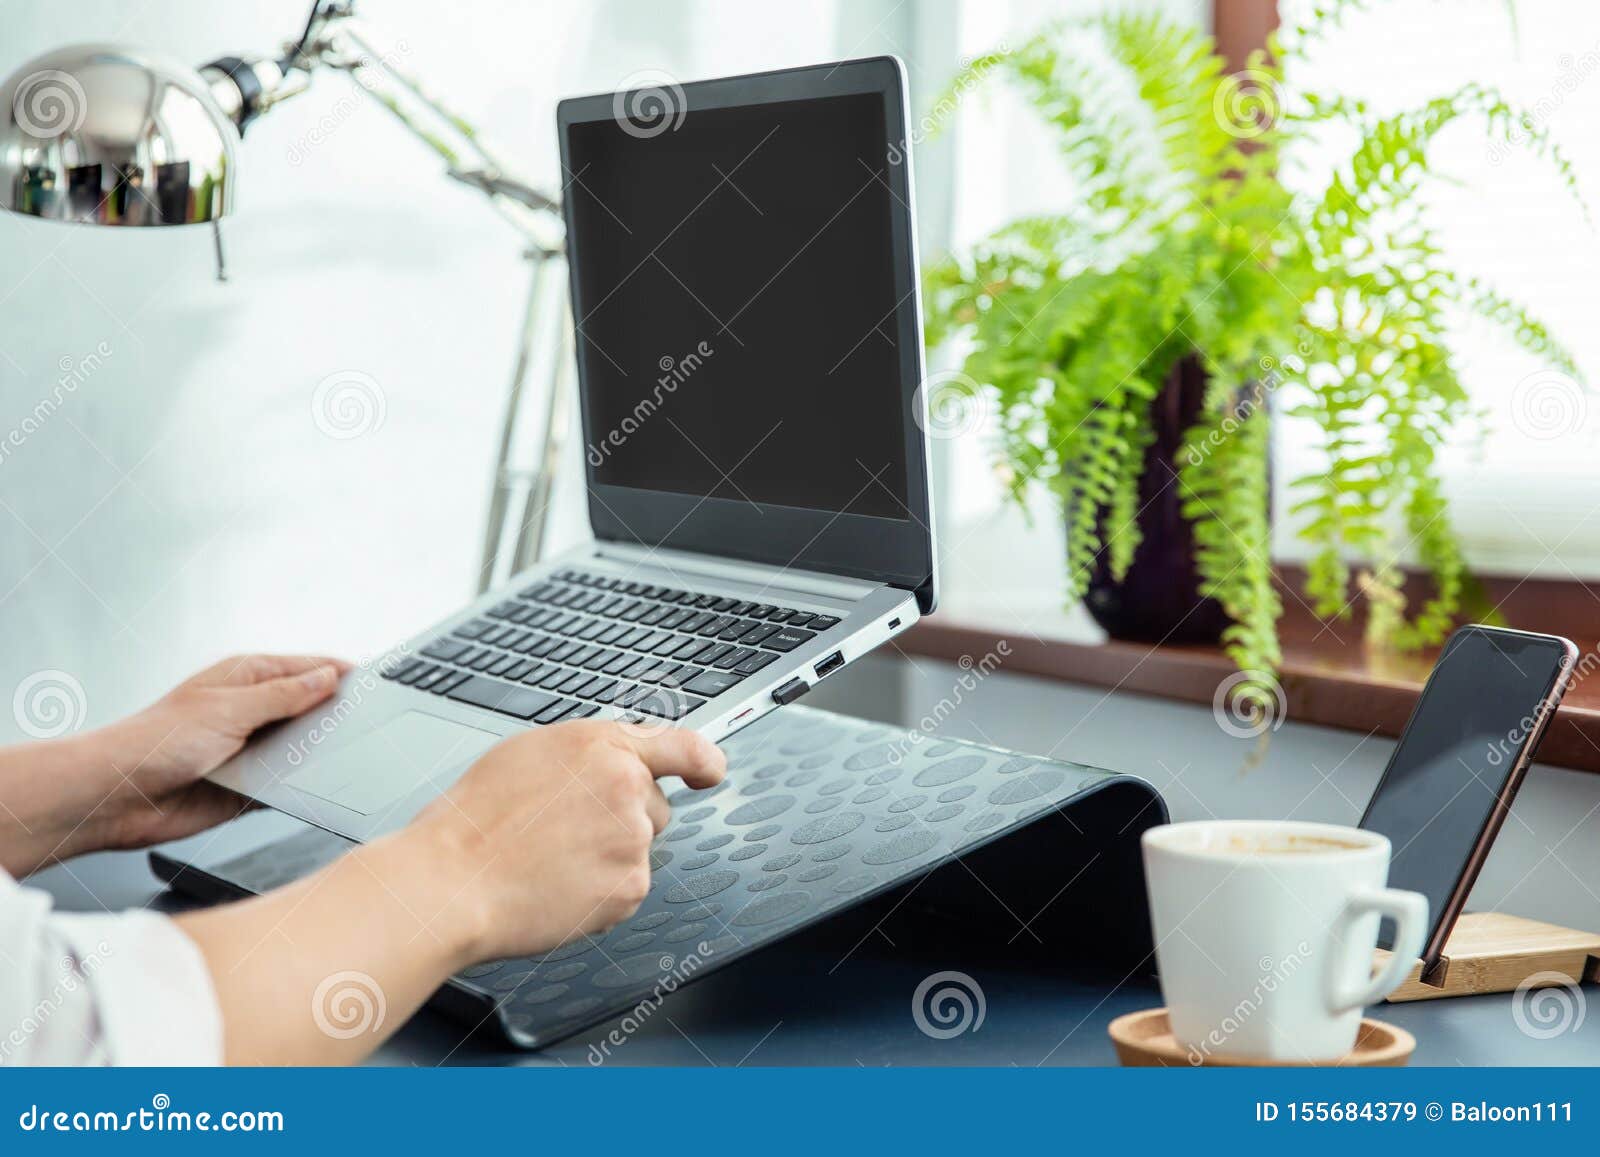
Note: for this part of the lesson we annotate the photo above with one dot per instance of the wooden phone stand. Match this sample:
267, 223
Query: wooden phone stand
1493, 952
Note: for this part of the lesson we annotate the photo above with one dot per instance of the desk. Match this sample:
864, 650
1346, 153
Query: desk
765, 1010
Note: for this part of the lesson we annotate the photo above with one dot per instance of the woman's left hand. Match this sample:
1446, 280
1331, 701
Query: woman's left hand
157, 759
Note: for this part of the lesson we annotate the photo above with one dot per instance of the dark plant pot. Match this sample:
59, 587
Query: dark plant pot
1159, 600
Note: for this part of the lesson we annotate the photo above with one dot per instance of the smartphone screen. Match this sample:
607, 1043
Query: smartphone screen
1478, 712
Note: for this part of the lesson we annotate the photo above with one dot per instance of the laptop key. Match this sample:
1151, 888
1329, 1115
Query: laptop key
631, 694
733, 658
788, 639
427, 681
800, 619
711, 654
451, 680
471, 630
418, 672
637, 669
755, 662
570, 686
485, 660
667, 704
690, 649
404, 669
584, 710
506, 698
762, 631
554, 677
711, 683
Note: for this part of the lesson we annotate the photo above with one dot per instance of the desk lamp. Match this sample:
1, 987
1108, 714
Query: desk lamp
107, 135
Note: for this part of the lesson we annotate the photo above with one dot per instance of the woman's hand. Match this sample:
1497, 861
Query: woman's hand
162, 755
141, 781
545, 838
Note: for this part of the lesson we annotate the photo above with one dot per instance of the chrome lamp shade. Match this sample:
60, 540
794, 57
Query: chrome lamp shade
106, 135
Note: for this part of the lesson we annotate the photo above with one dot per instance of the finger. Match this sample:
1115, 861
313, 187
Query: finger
262, 703
244, 670
677, 751
205, 805
657, 808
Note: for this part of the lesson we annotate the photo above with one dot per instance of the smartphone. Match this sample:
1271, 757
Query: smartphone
1460, 760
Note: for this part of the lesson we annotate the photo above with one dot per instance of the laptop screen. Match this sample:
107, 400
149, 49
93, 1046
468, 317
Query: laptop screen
736, 304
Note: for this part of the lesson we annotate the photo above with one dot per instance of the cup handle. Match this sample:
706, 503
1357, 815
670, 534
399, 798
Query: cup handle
1409, 911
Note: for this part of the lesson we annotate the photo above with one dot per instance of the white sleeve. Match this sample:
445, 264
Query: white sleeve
123, 989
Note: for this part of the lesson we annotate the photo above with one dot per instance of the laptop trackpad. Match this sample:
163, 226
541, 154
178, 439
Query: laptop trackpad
391, 761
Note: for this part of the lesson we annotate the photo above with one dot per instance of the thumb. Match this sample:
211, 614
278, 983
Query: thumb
274, 699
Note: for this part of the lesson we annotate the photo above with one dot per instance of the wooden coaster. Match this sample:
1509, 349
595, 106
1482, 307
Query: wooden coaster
1145, 1040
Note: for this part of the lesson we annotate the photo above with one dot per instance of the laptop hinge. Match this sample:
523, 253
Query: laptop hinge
772, 577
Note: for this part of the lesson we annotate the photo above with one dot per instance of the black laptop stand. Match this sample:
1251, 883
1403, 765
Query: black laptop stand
820, 815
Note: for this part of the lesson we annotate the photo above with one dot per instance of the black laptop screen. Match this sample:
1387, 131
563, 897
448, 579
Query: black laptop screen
736, 305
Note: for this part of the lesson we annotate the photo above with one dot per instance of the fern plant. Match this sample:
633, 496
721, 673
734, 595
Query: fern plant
1180, 239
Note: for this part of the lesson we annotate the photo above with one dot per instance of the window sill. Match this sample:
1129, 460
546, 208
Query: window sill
1328, 676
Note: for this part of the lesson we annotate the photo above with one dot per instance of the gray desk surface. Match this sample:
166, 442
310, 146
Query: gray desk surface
766, 1010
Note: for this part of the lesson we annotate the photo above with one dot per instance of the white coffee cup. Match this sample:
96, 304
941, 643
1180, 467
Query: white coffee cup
1265, 933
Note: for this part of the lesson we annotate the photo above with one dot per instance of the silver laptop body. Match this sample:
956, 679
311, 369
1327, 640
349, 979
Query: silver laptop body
712, 593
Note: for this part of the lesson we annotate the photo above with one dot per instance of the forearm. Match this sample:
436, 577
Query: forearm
302, 974
49, 796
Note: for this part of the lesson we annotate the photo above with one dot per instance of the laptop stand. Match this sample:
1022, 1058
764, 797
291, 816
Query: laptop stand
820, 814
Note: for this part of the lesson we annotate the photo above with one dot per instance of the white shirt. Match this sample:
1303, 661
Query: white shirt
124, 989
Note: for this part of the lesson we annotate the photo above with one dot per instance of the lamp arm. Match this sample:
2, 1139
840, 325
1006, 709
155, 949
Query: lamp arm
334, 39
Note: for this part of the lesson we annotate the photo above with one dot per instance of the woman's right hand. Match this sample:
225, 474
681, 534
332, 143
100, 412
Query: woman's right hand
548, 835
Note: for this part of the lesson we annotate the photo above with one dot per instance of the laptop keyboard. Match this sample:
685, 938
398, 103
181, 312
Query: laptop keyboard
576, 642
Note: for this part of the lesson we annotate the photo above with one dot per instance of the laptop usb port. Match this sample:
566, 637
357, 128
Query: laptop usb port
829, 665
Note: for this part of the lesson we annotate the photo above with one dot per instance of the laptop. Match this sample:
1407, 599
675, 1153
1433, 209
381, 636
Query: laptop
749, 353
